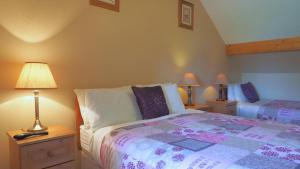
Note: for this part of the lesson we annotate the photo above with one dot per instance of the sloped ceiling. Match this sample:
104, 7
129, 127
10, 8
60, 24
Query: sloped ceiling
253, 20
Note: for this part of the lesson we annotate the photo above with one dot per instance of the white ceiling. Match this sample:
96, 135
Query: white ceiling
253, 20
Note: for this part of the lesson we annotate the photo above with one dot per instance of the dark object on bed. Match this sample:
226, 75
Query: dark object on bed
151, 101
250, 92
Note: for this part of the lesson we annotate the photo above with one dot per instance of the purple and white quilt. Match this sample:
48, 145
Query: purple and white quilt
281, 111
202, 141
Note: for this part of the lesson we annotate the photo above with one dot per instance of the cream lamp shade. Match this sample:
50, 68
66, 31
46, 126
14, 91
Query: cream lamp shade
36, 76
189, 79
221, 79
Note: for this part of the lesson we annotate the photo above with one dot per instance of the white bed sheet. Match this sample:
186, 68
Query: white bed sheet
86, 136
249, 110
91, 142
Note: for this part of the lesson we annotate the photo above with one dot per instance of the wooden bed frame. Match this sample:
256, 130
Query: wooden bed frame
79, 122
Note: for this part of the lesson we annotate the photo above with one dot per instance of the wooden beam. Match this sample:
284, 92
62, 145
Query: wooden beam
279, 45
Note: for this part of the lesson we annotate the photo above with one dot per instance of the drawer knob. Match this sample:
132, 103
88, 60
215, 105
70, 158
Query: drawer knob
50, 154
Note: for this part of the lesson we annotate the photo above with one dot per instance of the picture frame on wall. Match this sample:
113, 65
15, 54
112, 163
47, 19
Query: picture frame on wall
107, 4
186, 14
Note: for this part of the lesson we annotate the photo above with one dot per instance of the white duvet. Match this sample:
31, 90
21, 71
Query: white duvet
249, 110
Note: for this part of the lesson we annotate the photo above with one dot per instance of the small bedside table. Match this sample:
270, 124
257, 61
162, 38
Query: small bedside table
203, 107
225, 107
53, 151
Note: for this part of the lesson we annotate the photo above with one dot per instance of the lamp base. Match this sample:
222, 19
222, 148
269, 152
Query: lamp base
37, 126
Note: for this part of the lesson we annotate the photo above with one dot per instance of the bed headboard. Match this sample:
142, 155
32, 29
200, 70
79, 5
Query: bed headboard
79, 121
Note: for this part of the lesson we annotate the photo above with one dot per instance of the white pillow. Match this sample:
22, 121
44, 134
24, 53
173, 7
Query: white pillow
80, 93
173, 98
235, 93
230, 93
105, 107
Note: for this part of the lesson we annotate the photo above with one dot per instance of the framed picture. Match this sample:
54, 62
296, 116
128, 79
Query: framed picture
107, 4
186, 14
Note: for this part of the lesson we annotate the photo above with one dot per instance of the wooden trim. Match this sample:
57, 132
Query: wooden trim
198, 106
180, 3
278, 45
79, 122
55, 132
99, 3
14, 154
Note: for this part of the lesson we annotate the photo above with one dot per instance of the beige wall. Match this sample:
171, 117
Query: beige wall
275, 75
89, 47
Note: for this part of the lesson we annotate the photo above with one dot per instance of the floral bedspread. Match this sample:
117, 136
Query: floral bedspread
281, 111
203, 141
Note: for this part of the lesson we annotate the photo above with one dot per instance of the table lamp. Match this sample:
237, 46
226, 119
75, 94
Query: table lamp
190, 80
36, 76
222, 82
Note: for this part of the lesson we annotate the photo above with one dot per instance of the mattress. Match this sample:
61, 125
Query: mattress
198, 140
86, 138
90, 141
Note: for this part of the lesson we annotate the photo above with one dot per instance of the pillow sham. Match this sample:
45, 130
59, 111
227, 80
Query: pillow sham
151, 101
105, 107
250, 92
173, 98
239, 95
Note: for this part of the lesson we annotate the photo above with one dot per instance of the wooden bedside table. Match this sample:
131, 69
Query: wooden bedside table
53, 151
203, 107
225, 107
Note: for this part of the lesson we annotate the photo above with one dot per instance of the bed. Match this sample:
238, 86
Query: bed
190, 139
283, 111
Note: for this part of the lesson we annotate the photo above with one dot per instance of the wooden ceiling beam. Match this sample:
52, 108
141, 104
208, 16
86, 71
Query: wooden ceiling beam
278, 45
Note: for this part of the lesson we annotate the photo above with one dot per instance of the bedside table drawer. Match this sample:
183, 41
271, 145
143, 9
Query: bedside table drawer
231, 110
69, 165
50, 153
225, 107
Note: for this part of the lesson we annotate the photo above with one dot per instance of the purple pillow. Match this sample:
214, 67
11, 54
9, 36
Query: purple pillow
151, 101
250, 92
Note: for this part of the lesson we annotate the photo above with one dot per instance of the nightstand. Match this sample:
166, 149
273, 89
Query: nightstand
225, 107
53, 151
203, 107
